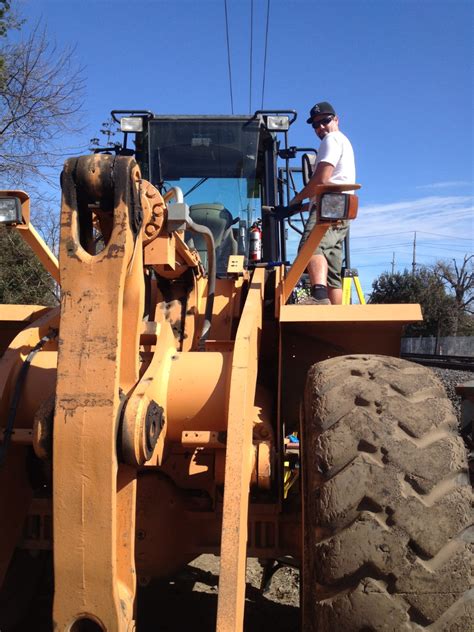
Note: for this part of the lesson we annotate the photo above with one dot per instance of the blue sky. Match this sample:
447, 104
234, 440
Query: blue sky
399, 73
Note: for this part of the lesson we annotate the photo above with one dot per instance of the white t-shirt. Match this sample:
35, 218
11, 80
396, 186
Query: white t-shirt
336, 149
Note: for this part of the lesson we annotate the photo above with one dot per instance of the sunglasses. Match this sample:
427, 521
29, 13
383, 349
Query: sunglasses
324, 121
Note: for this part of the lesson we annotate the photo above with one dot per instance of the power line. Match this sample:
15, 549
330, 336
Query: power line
265, 56
459, 248
228, 57
251, 54
443, 235
404, 232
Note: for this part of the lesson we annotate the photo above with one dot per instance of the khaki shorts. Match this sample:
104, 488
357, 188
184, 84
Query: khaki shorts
330, 247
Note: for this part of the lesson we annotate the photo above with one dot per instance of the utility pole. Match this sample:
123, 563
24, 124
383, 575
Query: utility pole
413, 265
393, 264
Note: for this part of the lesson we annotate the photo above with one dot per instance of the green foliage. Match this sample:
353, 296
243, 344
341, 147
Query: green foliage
23, 280
4, 10
4, 17
440, 311
8, 21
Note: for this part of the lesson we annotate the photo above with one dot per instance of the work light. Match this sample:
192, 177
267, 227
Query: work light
338, 206
10, 211
278, 123
131, 124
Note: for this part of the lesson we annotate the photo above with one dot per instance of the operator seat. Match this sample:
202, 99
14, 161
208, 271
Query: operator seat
219, 221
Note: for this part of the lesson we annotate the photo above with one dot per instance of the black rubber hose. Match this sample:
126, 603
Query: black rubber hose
7, 433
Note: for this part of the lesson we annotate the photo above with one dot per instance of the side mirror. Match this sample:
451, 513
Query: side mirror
307, 167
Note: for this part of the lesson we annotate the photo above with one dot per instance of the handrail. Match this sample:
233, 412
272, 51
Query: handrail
174, 193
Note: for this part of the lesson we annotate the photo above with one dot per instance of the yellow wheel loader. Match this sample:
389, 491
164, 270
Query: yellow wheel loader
179, 402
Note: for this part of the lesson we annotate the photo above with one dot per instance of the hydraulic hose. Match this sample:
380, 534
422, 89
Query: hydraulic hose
211, 275
17, 391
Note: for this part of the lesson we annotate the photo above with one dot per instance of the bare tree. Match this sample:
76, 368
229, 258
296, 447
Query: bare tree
109, 129
459, 278
40, 99
41, 91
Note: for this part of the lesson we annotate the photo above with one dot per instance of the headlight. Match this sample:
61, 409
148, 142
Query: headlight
334, 206
10, 210
131, 124
278, 123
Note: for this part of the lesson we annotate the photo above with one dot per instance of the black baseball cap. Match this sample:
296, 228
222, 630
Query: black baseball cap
320, 108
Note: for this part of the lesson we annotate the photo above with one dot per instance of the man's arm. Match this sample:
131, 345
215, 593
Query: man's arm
322, 175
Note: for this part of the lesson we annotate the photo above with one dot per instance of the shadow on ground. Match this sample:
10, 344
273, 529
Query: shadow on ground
190, 602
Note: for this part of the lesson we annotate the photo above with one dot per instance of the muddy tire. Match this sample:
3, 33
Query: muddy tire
386, 495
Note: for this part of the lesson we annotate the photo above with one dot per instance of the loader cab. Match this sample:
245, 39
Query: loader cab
226, 169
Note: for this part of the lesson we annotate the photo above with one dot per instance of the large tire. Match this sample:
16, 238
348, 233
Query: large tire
386, 501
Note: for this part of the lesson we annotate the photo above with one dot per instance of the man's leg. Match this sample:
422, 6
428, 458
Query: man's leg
318, 270
335, 295
318, 275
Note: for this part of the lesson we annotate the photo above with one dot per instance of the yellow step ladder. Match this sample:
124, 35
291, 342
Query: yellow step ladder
349, 275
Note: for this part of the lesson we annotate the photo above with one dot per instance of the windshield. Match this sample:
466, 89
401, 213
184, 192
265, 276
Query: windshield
214, 163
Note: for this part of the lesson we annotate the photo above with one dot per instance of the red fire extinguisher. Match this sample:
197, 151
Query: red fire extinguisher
255, 241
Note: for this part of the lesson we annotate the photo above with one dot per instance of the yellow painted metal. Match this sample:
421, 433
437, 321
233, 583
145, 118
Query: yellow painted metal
94, 495
41, 377
301, 261
347, 288
161, 251
152, 387
395, 314
15, 490
19, 313
198, 392
227, 306
230, 610
360, 293
38, 245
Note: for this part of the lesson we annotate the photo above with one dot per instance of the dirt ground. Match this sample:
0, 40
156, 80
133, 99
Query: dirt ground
191, 600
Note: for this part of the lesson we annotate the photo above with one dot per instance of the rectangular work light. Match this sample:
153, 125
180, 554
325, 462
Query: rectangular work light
338, 206
278, 123
10, 211
131, 124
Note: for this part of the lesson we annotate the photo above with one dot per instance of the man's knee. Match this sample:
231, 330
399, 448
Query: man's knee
318, 269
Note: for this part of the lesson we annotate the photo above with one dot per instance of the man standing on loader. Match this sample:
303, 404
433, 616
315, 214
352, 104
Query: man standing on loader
334, 165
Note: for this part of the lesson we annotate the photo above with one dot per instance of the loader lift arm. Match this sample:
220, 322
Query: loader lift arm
94, 495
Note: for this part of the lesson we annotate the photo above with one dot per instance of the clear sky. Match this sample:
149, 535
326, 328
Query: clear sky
398, 72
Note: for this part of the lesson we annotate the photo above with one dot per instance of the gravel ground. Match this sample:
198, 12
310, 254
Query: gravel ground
192, 596
450, 379
191, 600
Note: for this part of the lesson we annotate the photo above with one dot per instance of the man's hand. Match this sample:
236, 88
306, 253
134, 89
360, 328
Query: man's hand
281, 212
